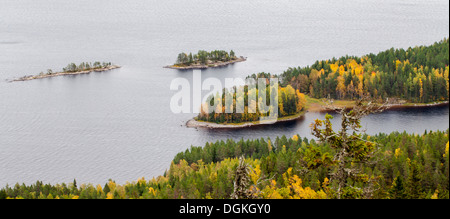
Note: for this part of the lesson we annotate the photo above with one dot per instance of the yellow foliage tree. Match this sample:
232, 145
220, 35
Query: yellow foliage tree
255, 174
271, 191
269, 145
340, 88
296, 189
446, 150
421, 88
397, 152
109, 196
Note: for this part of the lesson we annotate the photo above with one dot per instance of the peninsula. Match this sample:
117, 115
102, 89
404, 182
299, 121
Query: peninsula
291, 105
204, 59
398, 78
71, 69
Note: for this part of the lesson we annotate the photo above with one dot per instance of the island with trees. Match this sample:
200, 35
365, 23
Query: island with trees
204, 59
72, 69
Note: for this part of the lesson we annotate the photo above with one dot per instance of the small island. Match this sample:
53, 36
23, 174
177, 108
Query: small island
71, 69
204, 59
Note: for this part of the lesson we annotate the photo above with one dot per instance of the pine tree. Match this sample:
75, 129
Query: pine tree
414, 189
106, 188
397, 190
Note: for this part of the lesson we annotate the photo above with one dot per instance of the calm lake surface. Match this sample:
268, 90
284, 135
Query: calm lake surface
118, 124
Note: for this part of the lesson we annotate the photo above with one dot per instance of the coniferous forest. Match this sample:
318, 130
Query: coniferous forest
418, 74
203, 57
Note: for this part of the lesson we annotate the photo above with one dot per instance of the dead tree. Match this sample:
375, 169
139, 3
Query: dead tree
242, 181
348, 143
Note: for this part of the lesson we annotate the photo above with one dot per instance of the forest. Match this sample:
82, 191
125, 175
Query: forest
245, 109
418, 75
203, 57
404, 166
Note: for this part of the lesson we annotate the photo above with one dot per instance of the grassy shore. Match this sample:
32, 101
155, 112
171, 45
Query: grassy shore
319, 105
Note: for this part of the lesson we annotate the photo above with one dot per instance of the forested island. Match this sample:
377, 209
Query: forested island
204, 59
72, 69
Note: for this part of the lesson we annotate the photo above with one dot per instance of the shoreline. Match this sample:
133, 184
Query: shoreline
212, 65
32, 77
416, 105
313, 107
192, 123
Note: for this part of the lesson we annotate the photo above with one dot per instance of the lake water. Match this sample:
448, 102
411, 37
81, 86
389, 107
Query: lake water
118, 124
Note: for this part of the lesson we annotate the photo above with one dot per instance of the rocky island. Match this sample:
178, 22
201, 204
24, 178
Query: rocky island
71, 69
204, 59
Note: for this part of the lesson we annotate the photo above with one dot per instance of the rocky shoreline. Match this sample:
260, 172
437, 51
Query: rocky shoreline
192, 123
32, 77
416, 105
209, 65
